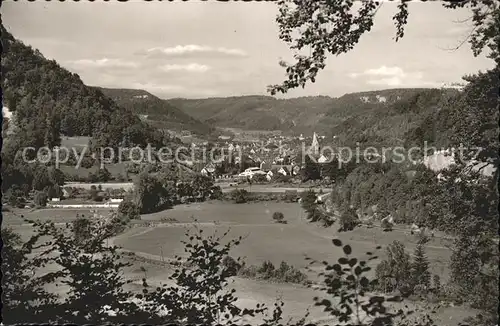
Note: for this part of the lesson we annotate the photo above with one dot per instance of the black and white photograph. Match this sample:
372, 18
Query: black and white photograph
281, 163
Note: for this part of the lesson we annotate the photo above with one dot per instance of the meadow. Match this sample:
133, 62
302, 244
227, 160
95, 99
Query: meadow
263, 240
13, 218
266, 240
77, 142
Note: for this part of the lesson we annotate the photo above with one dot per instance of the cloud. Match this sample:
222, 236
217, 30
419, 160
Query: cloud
394, 76
193, 49
192, 67
104, 63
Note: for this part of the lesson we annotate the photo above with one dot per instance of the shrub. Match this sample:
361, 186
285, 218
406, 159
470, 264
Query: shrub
120, 178
278, 217
282, 178
21, 202
40, 199
259, 178
169, 220
93, 193
15, 197
267, 271
420, 268
216, 193
289, 274
150, 194
128, 210
291, 196
232, 265
308, 199
386, 224
394, 273
53, 191
314, 213
240, 196
82, 230
436, 284
348, 220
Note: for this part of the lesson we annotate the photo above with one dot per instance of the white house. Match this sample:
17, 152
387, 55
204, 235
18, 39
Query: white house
284, 170
322, 159
208, 169
6, 113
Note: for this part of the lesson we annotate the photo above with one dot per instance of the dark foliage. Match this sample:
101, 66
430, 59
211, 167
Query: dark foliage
160, 113
240, 196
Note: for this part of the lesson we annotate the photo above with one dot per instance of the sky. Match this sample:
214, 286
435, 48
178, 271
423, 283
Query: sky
218, 49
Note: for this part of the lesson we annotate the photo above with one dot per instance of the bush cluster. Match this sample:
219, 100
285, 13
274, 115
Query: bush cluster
285, 273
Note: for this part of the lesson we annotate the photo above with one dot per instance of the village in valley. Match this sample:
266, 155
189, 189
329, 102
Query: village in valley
154, 173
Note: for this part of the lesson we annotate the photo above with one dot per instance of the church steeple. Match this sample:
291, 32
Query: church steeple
314, 145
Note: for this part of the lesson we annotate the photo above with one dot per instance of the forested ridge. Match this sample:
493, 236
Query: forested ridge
323, 114
160, 114
390, 125
48, 101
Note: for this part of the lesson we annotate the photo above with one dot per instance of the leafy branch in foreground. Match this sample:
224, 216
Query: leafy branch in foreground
323, 28
198, 292
354, 301
92, 272
22, 284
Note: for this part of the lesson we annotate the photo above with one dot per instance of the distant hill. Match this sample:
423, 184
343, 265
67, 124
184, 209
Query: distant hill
156, 112
304, 114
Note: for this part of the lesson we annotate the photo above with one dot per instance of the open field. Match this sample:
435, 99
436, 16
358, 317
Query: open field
56, 215
239, 131
74, 142
297, 298
105, 185
266, 240
114, 169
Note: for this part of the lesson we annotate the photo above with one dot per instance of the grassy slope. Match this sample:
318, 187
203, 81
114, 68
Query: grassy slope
267, 240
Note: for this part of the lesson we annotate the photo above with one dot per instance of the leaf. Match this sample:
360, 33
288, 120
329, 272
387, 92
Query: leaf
337, 242
347, 250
